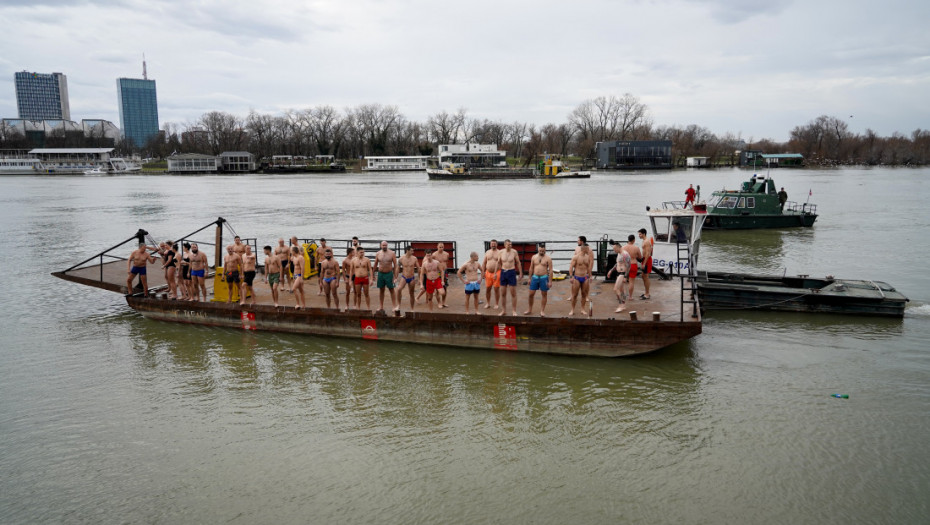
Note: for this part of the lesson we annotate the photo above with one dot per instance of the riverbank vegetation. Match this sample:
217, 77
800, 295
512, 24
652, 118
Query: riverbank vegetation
377, 129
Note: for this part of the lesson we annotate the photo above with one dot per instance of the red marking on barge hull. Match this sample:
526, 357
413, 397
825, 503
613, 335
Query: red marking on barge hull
571, 336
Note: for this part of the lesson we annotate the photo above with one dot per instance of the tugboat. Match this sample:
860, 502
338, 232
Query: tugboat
552, 167
756, 204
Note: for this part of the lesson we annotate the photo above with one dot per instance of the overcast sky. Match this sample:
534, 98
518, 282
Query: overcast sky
755, 68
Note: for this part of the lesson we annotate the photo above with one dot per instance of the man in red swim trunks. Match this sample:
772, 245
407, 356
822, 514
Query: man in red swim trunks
648, 243
361, 270
432, 277
636, 257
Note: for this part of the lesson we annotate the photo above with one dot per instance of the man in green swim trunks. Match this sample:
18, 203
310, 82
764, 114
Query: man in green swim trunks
272, 273
386, 264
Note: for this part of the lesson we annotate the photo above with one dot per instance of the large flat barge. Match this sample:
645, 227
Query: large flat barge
595, 329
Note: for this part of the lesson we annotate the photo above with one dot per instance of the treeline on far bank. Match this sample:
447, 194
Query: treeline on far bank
376, 129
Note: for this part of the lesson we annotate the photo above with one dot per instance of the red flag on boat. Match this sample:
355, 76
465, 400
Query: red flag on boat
810, 192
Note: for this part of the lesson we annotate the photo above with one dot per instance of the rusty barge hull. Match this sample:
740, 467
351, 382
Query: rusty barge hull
566, 336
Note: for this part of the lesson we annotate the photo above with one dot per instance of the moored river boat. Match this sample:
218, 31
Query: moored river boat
756, 204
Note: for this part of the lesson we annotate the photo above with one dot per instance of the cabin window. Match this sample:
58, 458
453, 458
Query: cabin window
742, 202
661, 227
729, 202
750, 202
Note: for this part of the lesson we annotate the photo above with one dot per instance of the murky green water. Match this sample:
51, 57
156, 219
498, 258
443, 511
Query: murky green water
107, 417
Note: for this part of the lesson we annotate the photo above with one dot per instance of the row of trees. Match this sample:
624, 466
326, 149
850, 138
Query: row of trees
376, 129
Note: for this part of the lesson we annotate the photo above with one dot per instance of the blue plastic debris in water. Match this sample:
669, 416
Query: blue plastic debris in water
840, 396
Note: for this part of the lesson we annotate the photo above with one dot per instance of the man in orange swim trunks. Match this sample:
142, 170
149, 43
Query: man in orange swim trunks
491, 267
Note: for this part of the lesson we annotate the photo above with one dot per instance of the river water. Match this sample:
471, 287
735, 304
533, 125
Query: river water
107, 417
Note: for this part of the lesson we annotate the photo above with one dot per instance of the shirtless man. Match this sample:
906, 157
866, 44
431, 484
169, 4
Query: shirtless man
232, 267
284, 257
510, 265
347, 275
248, 275
580, 272
361, 272
442, 257
237, 246
138, 260
648, 243
408, 266
320, 254
541, 271
386, 264
636, 257
297, 286
431, 277
491, 269
329, 276
272, 272
293, 243
622, 266
582, 240
198, 273
471, 279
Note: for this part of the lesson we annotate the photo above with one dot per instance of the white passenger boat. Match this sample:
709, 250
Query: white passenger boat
21, 166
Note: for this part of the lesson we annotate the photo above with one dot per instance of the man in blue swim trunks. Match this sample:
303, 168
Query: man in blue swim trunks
510, 266
408, 268
198, 273
541, 272
471, 279
137, 262
329, 276
580, 272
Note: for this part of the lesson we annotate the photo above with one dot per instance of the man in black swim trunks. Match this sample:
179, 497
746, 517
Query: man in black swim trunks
232, 265
248, 275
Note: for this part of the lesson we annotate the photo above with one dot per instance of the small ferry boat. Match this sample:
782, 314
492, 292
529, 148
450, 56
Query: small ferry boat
552, 167
801, 293
754, 205
671, 314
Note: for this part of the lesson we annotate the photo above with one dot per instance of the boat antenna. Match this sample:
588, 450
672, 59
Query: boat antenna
145, 74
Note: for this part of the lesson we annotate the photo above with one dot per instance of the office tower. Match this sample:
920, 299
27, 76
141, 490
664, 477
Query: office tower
138, 108
42, 96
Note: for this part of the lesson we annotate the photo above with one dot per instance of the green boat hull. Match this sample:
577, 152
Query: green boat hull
751, 222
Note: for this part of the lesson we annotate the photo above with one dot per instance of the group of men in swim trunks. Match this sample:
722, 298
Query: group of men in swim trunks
632, 261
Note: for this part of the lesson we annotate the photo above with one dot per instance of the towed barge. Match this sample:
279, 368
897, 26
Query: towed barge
802, 293
672, 314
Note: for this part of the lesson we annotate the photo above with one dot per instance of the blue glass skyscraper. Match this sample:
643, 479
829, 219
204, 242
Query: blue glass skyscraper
42, 96
138, 109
